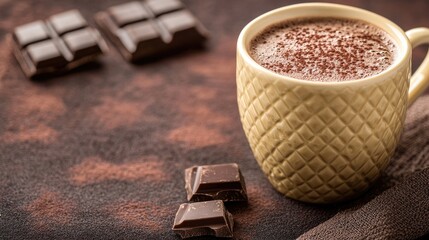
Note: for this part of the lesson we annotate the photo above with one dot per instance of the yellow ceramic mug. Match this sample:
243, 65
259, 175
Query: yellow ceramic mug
324, 142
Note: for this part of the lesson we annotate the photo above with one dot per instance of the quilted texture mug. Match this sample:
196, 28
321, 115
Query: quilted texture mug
324, 142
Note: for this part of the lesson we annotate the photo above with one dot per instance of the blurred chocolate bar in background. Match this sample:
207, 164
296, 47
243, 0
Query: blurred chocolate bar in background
61, 43
142, 29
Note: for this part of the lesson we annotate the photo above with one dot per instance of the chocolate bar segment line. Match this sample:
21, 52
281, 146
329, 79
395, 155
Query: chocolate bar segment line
215, 182
62, 42
203, 219
131, 28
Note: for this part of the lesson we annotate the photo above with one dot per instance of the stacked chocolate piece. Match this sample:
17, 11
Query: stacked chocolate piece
210, 186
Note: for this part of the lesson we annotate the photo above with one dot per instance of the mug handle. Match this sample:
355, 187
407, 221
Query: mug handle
420, 79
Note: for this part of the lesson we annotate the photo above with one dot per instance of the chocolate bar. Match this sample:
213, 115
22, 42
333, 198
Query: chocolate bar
61, 43
143, 29
215, 182
203, 219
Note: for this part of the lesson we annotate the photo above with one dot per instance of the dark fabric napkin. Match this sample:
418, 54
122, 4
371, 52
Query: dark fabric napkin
401, 212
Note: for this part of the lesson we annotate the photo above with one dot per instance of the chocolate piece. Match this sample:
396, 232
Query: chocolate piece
202, 219
143, 29
67, 21
61, 43
45, 54
31, 33
128, 13
221, 182
81, 43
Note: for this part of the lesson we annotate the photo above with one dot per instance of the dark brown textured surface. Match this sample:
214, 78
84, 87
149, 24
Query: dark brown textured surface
82, 153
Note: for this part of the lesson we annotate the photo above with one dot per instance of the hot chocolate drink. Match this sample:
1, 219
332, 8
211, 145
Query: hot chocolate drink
324, 49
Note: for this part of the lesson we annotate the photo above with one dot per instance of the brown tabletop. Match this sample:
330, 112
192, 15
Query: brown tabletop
100, 153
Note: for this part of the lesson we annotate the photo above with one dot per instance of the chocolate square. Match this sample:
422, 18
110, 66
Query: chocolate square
31, 33
82, 42
128, 13
181, 26
159, 7
67, 21
144, 37
45, 54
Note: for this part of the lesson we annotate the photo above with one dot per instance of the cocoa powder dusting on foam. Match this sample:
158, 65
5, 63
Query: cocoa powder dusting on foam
324, 49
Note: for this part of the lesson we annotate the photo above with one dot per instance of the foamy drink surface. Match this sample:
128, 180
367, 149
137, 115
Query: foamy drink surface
324, 49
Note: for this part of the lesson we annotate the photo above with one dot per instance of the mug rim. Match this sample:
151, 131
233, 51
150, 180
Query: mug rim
403, 55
